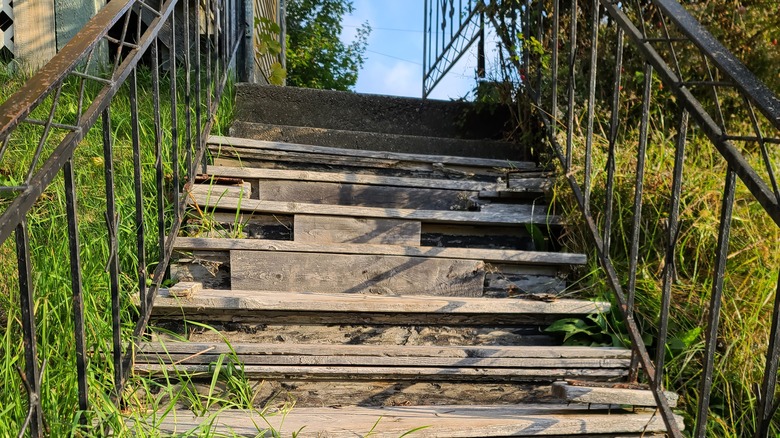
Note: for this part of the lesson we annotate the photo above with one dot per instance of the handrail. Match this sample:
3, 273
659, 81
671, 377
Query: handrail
202, 52
703, 77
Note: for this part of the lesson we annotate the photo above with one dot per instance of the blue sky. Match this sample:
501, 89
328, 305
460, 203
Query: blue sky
395, 50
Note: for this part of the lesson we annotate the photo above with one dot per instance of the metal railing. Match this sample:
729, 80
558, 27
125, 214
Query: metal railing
576, 58
188, 47
450, 29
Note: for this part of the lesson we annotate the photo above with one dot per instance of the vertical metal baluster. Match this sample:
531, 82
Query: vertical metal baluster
570, 103
207, 22
762, 146
540, 38
636, 224
481, 47
671, 247
158, 164
187, 90
556, 29
613, 133
174, 121
198, 89
713, 319
113, 256
526, 20
426, 38
27, 305
436, 26
138, 191
594, 38
78, 296
767, 406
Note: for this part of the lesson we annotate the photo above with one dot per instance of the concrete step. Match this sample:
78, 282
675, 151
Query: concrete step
347, 111
339, 138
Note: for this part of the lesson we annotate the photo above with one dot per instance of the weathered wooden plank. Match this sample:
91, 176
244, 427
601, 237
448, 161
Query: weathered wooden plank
383, 361
184, 289
387, 392
313, 192
486, 255
351, 178
538, 216
398, 332
249, 300
603, 395
397, 156
320, 232
501, 351
444, 421
340, 273
399, 372
249, 155
218, 190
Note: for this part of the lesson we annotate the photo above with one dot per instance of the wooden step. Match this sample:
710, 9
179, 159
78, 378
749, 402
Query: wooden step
275, 155
275, 393
309, 332
515, 214
244, 306
392, 361
236, 142
616, 394
376, 141
429, 421
486, 255
515, 184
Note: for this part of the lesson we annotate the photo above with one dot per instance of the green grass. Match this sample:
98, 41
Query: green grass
51, 273
751, 272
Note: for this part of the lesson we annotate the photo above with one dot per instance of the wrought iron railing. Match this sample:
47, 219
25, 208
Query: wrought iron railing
450, 29
187, 48
578, 61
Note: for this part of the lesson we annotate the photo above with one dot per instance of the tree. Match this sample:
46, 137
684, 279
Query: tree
316, 56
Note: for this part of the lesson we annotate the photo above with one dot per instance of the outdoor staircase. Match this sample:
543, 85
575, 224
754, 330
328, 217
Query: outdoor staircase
378, 262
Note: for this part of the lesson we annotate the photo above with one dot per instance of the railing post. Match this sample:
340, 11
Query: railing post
31, 376
78, 296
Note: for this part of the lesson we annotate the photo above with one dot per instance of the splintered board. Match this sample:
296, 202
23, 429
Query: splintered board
339, 273
333, 229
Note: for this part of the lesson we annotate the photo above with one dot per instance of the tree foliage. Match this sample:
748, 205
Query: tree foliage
749, 28
316, 56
